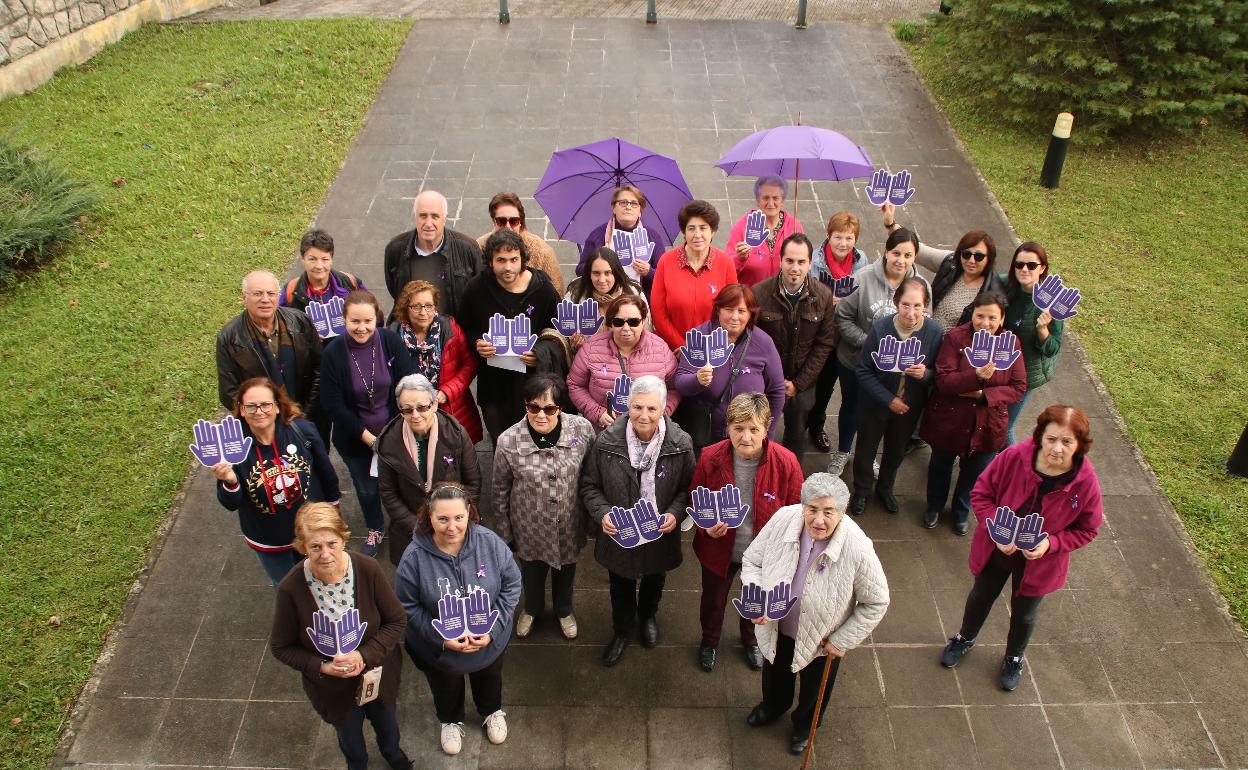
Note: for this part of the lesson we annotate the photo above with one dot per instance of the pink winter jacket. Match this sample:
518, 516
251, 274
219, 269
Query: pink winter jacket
1072, 514
761, 262
596, 366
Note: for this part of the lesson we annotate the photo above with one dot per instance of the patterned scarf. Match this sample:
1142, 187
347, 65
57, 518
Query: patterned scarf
426, 355
645, 459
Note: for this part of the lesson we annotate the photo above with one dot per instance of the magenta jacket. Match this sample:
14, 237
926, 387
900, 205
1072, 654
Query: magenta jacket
597, 364
760, 262
1072, 514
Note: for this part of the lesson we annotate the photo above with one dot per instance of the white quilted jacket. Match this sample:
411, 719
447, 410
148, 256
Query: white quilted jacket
846, 593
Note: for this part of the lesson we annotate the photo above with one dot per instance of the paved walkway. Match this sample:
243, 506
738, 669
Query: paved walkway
1135, 663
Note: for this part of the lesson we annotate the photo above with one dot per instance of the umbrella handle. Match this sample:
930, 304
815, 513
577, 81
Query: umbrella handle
814, 721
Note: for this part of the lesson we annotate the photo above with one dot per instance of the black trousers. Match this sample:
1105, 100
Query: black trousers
498, 417
448, 690
894, 430
987, 587
533, 579
351, 735
796, 411
779, 683
823, 392
940, 475
632, 599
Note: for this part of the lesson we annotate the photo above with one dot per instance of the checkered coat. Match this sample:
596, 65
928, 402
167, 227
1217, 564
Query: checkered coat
536, 505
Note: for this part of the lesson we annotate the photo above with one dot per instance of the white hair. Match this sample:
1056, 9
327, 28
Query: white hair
259, 272
648, 384
417, 382
825, 485
439, 197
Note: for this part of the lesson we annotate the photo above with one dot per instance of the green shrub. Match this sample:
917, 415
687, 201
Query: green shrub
1121, 66
40, 206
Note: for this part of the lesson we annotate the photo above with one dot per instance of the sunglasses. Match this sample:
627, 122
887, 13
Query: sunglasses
407, 411
618, 322
978, 256
550, 410
1026, 265
507, 221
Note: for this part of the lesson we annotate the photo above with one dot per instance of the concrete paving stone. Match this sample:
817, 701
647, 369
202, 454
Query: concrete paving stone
535, 739
979, 679
853, 737
1161, 563
1121, 475
1069, 674
857, 681
1093, 737
241, 567
1138, 517
239, 612
1170, 735
1195, 615
536, 674
952, 603
1099, 565
944, 558
1120, 615
146, 666
220, 668
197, 732
903, 566
676, 681
276, 735
169, 609
759, 747
931, 738
1013, 737
1215, 673
913, 677
911, 619
1229, 731
275, 681
1144, 673
118, 730
626, 684
1060, 621
596, 742
669, 730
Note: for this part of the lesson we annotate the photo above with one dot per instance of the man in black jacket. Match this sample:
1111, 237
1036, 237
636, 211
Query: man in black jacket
508, 286
269, 341
431, 252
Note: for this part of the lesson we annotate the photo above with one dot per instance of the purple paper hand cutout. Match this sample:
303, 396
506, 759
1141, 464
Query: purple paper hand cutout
718, 348
877, 190
911, 354
234, 445
626, 534
980, 351
207, 446
587, 318
1045, 294
1064, 306
499, 334
899, 190
522, 338
648, 520
755, 229
885, 357
452, 620
622, 242
1030, 532
324, 634
778, 601
704, 509
565, 320
1003, 526
844, 287
320, 319
350, 631
1004, 350
732, 512
617, 399
480, 617
643, 247
753, 602
695, 348
333, 310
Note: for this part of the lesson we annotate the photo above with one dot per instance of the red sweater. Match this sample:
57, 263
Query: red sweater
680, 300
777, 483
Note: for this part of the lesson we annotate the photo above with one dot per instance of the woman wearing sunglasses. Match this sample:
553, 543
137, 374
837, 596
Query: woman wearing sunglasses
507, 213
1039, 334
630, 349
418, 449
536, 506
628, 203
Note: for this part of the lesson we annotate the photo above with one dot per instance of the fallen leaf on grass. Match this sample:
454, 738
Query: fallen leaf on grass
54, 621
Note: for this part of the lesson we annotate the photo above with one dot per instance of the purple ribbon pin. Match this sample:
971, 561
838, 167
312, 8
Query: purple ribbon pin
574, 442
714, 288
1074, 501
448, 459
662, 471
529, 310
769, 496
481, 571
745, 370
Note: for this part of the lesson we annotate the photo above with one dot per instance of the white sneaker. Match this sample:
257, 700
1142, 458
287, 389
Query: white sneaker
838, 461
568, 626
452, 738
687, 524
875, 468
524, 625
496, 727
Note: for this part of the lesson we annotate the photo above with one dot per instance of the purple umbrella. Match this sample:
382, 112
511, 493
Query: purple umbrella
788, 151
576, 189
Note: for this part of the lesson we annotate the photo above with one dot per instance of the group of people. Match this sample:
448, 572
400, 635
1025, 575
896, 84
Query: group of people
618, 435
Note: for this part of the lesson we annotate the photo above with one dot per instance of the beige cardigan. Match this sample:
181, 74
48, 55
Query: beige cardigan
846, 593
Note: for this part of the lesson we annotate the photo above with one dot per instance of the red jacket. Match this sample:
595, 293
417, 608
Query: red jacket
953, 423
777, 483
1072, 514
459, 366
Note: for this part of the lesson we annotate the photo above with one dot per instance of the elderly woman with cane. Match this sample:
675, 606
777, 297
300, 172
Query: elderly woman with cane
838, 594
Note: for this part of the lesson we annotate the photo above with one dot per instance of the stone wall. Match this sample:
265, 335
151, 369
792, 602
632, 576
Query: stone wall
28, 25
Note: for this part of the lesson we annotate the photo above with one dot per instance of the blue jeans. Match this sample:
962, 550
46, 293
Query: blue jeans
366, 489
1015, 410
847, 420
277, 563
351, 736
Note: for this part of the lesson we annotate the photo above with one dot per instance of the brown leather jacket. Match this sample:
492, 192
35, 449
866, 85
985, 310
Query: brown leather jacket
805, 335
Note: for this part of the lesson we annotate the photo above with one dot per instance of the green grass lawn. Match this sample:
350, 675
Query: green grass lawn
1152, 235
212, 146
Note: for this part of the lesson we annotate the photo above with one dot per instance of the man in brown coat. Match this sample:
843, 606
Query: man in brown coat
796, 313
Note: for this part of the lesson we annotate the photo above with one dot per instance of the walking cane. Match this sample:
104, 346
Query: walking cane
814, 722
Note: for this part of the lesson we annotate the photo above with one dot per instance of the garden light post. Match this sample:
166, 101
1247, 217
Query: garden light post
504, 16
1051, 174
801, 14
652, 17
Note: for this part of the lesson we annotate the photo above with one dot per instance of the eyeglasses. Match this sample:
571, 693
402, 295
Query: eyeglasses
1026, 265
618, 322
550, 410
422, 307
408, 411
627, 204
267, 406
978, 256
507, 221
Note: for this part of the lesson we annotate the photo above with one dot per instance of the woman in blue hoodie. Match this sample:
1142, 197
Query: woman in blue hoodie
450, 557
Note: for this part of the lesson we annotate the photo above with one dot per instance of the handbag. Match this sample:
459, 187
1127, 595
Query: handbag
696, 417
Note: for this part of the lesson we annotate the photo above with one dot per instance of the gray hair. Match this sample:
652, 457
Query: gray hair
260, 272
775, 181
417, 382
825, 485
648, 384
436, 196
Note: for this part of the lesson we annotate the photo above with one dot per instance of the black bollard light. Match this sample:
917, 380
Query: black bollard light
1055, 158
1238, 464
504, 16
652, 16
801, 14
